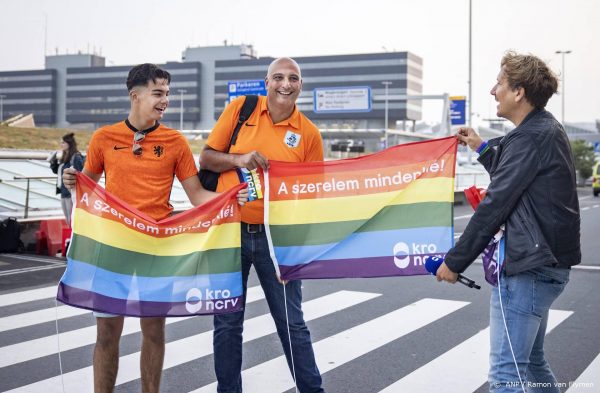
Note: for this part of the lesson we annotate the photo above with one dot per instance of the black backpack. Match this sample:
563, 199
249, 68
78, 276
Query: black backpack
210, 179
10, 235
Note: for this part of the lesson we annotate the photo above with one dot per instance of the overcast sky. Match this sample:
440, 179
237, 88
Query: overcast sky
136, 31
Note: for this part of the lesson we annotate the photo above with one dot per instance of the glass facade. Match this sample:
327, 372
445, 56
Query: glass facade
402, 69
29, 92
98, 94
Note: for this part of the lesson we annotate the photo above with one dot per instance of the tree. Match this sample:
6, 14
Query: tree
583, 154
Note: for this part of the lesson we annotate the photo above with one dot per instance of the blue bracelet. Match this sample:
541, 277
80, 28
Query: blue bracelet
482, 147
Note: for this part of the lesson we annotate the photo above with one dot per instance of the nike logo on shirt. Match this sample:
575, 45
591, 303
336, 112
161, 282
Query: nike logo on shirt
119, 148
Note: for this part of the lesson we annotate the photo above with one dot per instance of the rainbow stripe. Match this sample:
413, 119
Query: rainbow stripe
121, 261
373, 216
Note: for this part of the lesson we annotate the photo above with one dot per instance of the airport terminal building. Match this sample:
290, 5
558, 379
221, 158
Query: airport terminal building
29, 92
339, 91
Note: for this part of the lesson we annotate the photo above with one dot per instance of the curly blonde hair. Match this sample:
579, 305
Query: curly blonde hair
532, 74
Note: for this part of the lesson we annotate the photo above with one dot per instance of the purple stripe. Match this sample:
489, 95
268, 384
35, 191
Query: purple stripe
134, 308
355, 268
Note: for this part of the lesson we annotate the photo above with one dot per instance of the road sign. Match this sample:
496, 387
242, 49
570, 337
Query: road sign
342, 99
457, 110
242, 88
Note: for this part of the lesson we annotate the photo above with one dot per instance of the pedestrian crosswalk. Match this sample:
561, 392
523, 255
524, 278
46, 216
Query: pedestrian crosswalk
39, 316
434, 376
336, 347
27, 296
588, 380
345, 346
31, 349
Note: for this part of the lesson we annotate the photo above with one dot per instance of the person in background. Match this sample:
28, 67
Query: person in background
71, 158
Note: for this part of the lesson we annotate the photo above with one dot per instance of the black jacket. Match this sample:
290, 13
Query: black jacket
533, 191
77, 161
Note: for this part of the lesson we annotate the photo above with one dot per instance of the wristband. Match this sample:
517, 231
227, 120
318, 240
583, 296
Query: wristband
482, 147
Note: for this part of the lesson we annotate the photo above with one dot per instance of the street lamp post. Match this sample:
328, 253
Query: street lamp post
181, 92
563, 53
470, 103
386, 84
2, 97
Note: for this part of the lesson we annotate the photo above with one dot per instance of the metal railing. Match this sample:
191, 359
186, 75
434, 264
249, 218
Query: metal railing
466, 180
462, 181
28, 179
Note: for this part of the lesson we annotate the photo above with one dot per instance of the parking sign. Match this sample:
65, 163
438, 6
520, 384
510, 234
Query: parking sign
457, 110
242, 88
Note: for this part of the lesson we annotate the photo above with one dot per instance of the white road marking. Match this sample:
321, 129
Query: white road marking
274, 376
193, 347
450, 373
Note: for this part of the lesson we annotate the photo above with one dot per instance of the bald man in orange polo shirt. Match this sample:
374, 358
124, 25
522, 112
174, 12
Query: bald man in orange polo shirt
276, 130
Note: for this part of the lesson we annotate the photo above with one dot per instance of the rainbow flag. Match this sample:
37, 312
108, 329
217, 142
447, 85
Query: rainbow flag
373, 216
493, 254
121, 261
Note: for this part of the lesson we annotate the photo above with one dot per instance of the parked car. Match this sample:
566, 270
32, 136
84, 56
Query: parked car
596, 179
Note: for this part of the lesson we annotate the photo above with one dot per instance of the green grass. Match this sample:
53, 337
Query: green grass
49, 138
39, 138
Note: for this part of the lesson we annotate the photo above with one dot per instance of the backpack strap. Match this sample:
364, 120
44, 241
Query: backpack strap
246, 111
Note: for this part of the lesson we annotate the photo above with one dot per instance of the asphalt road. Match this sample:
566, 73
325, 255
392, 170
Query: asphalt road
409, 334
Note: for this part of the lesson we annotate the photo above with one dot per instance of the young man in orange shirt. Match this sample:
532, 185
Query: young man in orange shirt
140, 158
276, 130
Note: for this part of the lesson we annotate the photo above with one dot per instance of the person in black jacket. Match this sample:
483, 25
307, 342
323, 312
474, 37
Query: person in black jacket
532, 192
71, 158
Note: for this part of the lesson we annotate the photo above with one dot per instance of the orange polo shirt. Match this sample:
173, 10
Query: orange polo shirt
143, 181
296, 139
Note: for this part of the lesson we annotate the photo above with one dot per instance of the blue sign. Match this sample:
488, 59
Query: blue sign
353, 99
242, 88
458, 110
597, 147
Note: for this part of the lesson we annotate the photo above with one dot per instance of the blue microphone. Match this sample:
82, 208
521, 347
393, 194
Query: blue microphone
432, 265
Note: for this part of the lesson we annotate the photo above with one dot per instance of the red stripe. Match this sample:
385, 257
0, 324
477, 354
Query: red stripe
312, 186
204, 212
408, 153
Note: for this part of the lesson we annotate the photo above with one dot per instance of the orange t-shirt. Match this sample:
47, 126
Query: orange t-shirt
296, 139
143, 181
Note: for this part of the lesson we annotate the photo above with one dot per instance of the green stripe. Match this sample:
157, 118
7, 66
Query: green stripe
426, 214
116, 260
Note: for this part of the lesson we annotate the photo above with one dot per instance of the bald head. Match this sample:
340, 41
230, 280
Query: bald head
284, 85
283, 61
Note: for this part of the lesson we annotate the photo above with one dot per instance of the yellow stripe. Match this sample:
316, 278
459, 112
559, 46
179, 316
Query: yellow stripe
256, 180
309, 211
120, 236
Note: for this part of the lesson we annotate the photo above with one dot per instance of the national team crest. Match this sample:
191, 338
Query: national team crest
158, 150
292, 139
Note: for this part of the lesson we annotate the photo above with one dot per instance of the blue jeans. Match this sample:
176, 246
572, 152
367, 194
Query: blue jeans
227, 340
526, 298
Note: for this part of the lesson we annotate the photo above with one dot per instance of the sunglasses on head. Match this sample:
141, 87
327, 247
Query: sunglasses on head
138, 137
